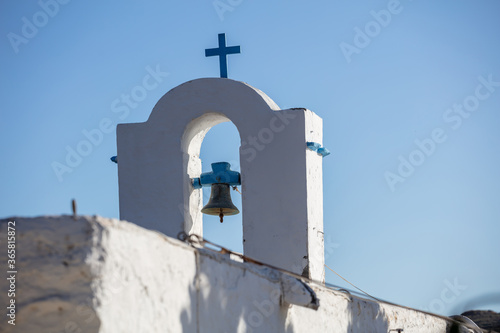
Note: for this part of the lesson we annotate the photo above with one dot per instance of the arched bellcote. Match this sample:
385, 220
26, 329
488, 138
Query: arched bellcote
281, 179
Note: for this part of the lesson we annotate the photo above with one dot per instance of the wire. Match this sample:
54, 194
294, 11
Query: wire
364, 292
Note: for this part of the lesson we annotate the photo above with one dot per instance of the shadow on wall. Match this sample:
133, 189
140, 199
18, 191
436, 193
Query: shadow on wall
367, 317
189, 320
233, 301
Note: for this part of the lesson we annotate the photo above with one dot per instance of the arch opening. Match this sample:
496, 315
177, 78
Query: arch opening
208, 139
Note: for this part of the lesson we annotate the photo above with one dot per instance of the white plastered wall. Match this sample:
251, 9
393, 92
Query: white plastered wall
98, 275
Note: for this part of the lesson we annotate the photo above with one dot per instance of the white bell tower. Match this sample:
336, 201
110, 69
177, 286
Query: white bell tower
281, 170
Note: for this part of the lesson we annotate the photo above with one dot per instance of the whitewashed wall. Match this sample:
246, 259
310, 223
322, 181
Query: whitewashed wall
104, 275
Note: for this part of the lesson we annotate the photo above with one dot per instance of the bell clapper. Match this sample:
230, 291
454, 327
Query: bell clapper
221, 215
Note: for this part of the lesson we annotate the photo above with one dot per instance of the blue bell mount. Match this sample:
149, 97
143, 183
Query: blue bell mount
221, 174
314, 146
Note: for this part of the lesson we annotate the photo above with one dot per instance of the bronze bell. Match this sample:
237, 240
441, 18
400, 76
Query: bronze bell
220, 202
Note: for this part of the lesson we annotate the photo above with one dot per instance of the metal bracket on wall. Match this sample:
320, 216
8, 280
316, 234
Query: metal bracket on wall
221, 174
314, 146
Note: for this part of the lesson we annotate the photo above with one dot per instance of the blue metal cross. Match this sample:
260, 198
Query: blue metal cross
222, 51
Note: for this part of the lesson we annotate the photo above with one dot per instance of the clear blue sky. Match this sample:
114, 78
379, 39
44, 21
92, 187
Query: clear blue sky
429, 240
